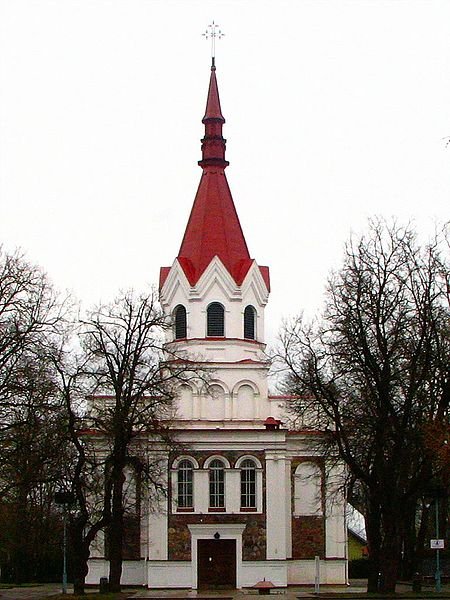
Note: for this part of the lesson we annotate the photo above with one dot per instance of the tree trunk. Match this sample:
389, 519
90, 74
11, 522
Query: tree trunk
373, 530
80, 556
409, 550
392, 523
21, 558
389, 565
115, 535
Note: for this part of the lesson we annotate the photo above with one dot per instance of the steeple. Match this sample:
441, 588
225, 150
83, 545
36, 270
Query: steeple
213, 144
213, 228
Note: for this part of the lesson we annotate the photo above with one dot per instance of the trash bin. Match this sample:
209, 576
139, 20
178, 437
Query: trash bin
417, 582
104, 585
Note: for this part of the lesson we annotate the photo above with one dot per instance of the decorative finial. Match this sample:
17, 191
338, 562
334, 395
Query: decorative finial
212, 32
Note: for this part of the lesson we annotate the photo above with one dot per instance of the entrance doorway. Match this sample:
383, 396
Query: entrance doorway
216, 563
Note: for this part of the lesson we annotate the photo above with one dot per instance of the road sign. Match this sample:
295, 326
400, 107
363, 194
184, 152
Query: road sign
437, 544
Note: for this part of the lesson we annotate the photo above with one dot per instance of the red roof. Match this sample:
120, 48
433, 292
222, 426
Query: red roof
213, 228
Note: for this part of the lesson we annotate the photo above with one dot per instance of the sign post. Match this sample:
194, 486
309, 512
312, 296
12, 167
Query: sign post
317, 576
437, 544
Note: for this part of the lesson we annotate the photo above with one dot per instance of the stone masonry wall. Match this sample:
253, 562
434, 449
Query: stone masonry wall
308, 537
253, 537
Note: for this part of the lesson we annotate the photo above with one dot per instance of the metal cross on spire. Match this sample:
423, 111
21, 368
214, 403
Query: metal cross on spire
213, 32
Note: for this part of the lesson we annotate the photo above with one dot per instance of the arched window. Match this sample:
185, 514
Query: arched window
215, 320
216, 484
180, 322
248, 484
185, 488
249, 322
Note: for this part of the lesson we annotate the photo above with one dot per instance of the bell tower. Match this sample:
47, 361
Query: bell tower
216, 293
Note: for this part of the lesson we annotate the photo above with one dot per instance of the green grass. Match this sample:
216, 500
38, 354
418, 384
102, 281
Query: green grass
9, 586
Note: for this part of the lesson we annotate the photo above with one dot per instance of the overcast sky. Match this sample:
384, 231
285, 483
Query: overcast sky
335, 111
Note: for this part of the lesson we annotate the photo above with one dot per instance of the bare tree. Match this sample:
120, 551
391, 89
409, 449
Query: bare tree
32, 462
30, 312
375, 371
132, 401
30, 416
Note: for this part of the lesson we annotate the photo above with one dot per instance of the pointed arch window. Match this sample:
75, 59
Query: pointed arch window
249, 322
215, 326
216, 484
248, 484
180, 322
185, 487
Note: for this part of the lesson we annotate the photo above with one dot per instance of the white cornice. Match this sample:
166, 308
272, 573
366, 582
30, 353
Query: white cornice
175, 279
215, 273
255, 280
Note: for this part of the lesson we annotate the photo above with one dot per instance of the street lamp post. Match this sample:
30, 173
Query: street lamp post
437, 576
64, 499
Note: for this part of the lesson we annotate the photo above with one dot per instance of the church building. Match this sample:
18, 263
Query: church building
248, 499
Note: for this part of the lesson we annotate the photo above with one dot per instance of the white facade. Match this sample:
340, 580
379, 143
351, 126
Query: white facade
226, 422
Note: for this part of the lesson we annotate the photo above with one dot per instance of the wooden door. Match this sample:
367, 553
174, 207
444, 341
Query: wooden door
216, 563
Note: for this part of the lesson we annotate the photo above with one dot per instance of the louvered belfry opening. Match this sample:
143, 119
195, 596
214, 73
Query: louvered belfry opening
249, 323
180, 322
215, 320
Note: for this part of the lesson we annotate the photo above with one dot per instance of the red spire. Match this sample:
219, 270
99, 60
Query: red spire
213, 110
213, 144
213, 228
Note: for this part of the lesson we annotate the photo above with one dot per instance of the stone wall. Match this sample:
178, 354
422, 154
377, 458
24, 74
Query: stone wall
253, 537
308, 537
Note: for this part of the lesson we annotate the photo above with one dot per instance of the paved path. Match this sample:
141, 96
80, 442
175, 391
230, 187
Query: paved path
35, 592
357, 587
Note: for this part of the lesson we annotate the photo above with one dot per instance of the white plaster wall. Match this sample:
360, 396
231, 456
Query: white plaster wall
233, 490
97, 568
243, 395
288, 516
301, 572
98, 545
335, 526
308, 489
276, 526
157, 536
201, 490
174, 574
133, 572
271, 570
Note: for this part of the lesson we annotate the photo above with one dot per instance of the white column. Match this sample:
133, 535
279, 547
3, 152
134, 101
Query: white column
288, 478
201, 490
232, 490
157, 521
336, 538
157, 534
276, 505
